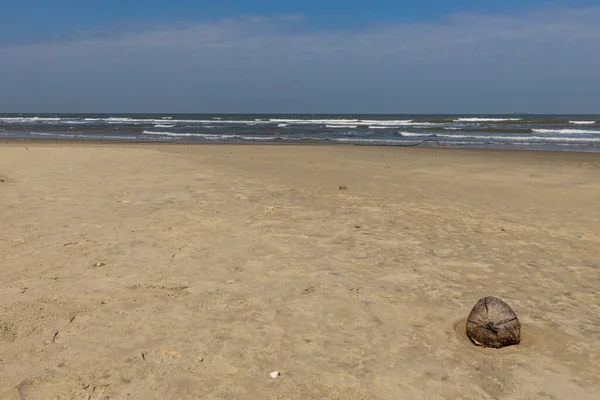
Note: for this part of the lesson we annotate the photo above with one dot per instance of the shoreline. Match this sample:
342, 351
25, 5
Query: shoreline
8, 142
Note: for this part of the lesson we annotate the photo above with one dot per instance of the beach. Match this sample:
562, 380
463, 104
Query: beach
174, 271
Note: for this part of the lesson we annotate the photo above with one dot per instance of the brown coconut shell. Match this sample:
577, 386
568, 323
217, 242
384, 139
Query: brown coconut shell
492, 323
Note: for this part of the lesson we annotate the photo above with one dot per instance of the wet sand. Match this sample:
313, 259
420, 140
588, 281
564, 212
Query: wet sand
144, 271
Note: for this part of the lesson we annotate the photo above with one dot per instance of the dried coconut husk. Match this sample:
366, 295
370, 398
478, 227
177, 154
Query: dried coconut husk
492, 323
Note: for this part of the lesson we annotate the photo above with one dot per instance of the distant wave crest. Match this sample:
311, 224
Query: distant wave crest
582, 122
566, 131
486, 119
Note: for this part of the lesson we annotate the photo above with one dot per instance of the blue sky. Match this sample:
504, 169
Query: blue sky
310, 56
34, 20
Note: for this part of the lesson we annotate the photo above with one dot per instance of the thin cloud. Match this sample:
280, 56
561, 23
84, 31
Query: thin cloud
464, 63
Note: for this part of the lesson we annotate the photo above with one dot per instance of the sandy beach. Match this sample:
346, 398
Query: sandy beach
145, 271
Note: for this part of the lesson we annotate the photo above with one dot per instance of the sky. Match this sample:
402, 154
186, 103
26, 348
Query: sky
234, 56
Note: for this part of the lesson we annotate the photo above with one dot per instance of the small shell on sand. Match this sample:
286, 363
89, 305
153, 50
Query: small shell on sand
492, 323
274, 374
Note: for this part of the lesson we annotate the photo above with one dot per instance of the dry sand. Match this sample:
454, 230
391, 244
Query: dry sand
192, 272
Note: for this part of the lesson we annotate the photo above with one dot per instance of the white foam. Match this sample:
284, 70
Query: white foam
209, 136
342, 126
409, 134
260, 137
459, 139
114, 120
163, 126
73, 122
486, 119
353, 122
350, 123
74, 136
121, 120
519, 138
359, 140
282, 125
79, 136
119, 137
582, 122
16, 120
403, 124
565, 131
316, 121
181, 134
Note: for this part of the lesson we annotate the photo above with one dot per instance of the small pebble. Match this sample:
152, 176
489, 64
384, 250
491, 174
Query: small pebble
274, 374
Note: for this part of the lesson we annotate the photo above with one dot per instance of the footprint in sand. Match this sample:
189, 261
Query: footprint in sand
41, 390
210, 301
169, 291
8, 332
161, 356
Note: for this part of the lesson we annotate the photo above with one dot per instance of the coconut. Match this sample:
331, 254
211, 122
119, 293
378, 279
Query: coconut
492, 323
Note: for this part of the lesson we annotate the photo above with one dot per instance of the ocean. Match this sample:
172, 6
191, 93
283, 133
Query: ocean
535, 132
